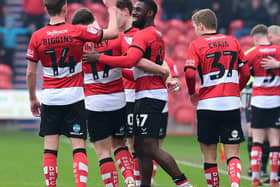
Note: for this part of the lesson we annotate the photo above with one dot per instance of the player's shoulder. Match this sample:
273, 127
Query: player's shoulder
131, 31
276, 47
115, 42
39, 31
251, 50
148, 32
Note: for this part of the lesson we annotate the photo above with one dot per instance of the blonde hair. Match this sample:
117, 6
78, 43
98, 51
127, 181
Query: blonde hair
274, 29
206, 17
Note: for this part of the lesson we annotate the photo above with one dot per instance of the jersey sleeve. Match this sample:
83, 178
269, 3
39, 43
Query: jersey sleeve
32, 51
117, 45
242, 59
90, 33
173, 68
250, 56
139, 42
192, 60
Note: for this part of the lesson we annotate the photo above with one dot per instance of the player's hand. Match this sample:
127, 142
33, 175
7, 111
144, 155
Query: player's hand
35, 107
174, 85
270, 63
90, 56
165, 75
194, 98
110, 3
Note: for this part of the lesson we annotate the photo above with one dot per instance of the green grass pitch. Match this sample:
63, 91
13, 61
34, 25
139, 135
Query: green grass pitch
22, 152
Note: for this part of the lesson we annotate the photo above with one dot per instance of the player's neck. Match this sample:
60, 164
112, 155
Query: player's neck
148, 24
208, 32
264, 41
57, 19
128, 24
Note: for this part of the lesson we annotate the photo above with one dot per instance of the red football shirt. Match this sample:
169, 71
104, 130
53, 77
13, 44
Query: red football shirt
59, 49
266, 85
218, 59
129, 86
103, 84
147, 43
150, 42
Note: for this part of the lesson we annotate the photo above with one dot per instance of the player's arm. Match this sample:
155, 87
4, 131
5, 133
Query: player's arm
174, 75
112, 31
244, 65
151, 67
270, 63
244, 76
128, 61
190, 68
31, 74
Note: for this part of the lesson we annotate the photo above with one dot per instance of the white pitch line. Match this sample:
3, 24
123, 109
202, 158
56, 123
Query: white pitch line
200, 167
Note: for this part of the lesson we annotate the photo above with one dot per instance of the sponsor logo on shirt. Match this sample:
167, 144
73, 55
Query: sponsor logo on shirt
55, 32
267, 50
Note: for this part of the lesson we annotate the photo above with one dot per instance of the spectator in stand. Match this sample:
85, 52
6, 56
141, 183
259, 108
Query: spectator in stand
255, 14
34, 13
9, 35
222, 14
76, 1
182, 10
2, 11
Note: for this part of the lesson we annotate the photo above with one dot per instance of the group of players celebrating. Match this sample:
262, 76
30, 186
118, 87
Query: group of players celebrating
112, 84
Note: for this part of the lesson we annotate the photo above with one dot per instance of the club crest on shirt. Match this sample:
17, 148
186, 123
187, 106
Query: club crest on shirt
128, 39
159, 33
92, 30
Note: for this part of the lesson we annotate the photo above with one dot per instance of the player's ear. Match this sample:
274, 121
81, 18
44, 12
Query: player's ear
201, 26
126, 12
64, 8
150, 13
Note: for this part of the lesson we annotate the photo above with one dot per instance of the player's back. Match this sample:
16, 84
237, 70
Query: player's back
59, 48
103, 85
147, 84
266, 85
220, 58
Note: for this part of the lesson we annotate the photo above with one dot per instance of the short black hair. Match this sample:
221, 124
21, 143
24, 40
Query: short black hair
54, 7
259, 29
122, 4
151, 5
82, 16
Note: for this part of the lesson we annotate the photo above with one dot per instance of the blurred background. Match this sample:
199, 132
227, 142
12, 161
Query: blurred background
19, 18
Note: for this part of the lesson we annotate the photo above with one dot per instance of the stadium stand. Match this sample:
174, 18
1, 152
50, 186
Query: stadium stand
178, 34
5, 77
